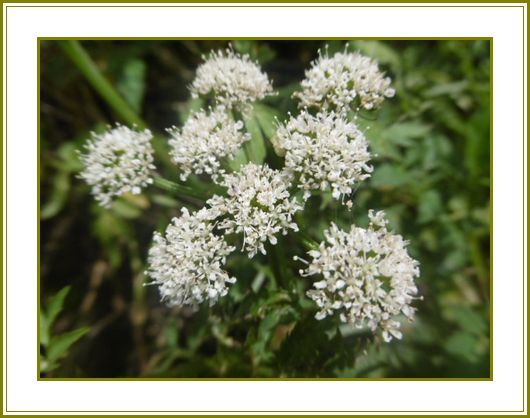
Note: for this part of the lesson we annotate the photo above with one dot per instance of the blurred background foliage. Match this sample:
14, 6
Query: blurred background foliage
432, 177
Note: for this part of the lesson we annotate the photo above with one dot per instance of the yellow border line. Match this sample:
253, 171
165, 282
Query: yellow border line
365, 379
491, 213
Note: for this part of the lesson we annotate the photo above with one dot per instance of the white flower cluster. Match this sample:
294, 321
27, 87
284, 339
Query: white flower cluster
186, 262
117, 161
232, 78
367, 277
258, 205
335, 83
326, 151
204, 139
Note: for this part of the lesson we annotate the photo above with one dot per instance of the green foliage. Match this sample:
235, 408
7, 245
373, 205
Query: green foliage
54, 347
431, 174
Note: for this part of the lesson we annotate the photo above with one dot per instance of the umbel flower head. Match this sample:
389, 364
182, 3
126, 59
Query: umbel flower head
186, 262
232, 78
258, 205
326, 151
204, 139
367, 277
336, 82
117, 161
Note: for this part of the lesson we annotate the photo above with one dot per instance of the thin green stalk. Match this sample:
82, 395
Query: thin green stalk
279, 260
307, 241
138, 309
179, 188
90, 70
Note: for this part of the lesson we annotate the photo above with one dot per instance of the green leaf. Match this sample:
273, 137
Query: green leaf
462, 344
453, 88
266, 329
389, 176
242, 45
56, 303
165, 200
469, 320
44, 328
430, 206
377, 50
57, 200
185, 109
238, 160
256, 146
46, 366
69, 157
404, 133
267, 118
49, 314
132, 84
60, 344
125, 209
258, 281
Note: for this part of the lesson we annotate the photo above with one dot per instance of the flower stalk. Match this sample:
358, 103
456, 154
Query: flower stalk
92, 73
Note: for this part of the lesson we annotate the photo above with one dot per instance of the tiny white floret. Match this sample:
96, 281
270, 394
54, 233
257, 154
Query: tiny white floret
258, 205
342, 81
326, 152
118, 161
186, 262
204, 140
233, 79
369, 277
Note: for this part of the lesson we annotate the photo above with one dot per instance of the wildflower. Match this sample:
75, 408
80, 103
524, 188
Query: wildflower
186, 262
118, 161
204, 139
326, 151
367, 277
258, 204
336, 82
232, 78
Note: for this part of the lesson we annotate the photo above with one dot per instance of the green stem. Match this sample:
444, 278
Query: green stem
90, 70
307, 241
279, 259
178, 188
138, 309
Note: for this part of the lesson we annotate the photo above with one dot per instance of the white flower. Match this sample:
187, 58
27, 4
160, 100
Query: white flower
335, 83
326, 151
116, 162
186, 262
367, 277
232, 78
204, 139
258, 205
